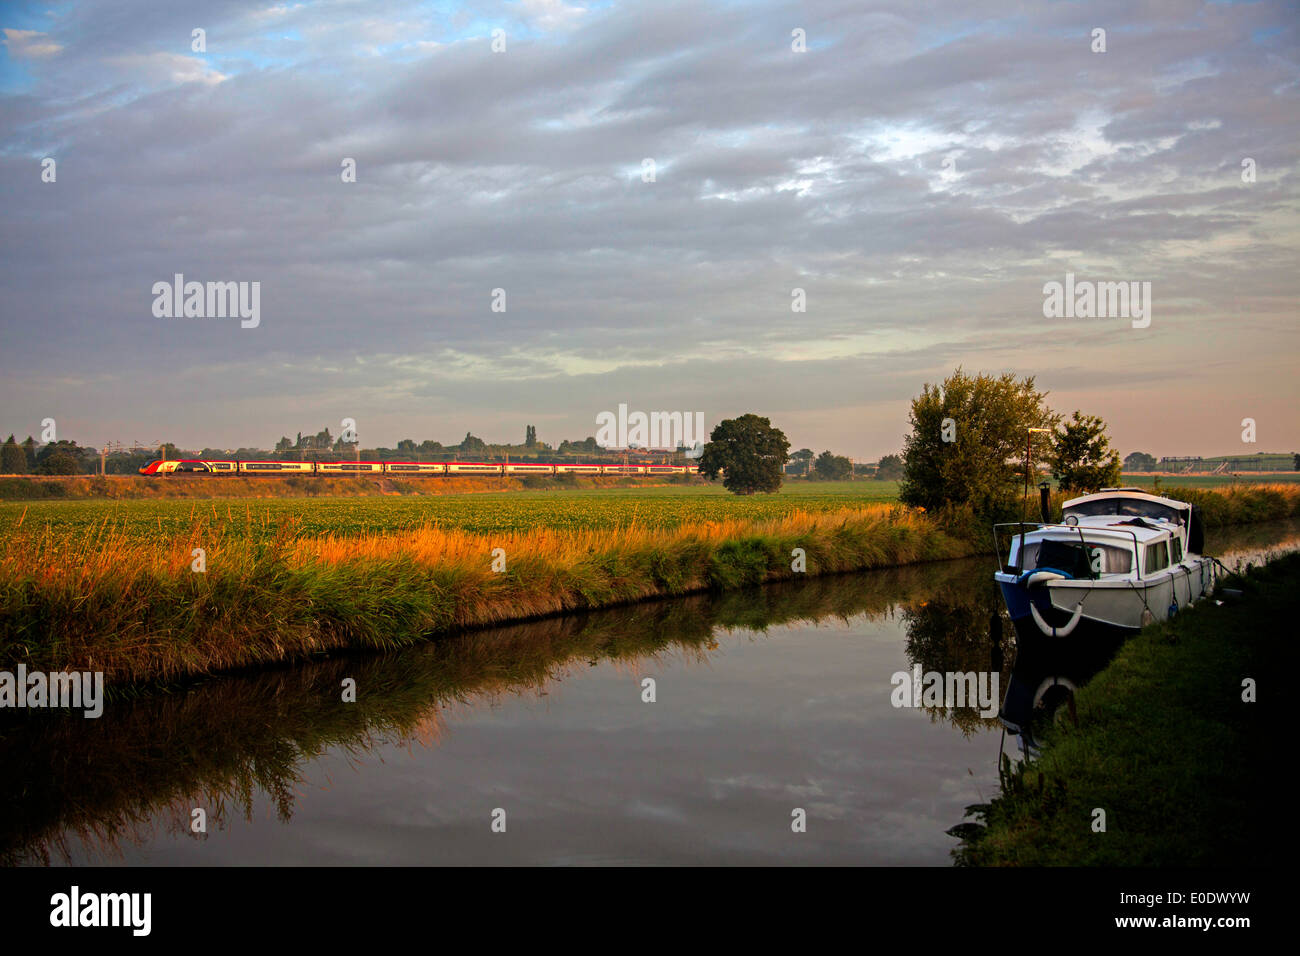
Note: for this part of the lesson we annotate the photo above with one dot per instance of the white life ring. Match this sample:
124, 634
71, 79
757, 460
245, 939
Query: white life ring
1042, 577
1057, 631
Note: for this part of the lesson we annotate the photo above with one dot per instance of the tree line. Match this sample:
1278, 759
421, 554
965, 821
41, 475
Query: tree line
972, 439
68, 458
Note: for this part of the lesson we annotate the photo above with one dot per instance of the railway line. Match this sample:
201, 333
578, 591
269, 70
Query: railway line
409, 469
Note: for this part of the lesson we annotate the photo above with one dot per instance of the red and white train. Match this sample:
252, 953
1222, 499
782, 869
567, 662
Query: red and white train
409, 469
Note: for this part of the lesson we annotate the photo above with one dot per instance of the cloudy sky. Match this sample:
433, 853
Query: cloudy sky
920, 171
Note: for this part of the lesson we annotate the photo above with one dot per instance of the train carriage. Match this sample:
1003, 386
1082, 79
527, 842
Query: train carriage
622, 469
520, 468
577, 469
349, 467
415, 468
276, 467
472, 468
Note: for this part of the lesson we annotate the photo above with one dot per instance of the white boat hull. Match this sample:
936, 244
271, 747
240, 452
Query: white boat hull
1065, 607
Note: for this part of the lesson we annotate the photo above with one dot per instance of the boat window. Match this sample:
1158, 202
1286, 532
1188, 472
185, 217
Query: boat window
1128, 507
1068, 556
1102, 558
1107, 559
1178, 549
1157, 556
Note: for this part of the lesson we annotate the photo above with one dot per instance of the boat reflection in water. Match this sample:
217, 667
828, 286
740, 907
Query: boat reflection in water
1051, 666
1044, 678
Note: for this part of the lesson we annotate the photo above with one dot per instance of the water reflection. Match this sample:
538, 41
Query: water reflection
816, 682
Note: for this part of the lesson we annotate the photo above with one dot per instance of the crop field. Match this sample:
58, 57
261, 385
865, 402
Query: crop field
1212, 481
505, 512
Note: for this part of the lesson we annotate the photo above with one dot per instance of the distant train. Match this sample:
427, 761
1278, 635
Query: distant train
410, 469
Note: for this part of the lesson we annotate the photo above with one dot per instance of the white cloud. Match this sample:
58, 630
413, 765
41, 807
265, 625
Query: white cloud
169, 68
30, 43
551, 14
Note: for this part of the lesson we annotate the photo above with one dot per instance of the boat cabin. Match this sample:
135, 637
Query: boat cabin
1117, 532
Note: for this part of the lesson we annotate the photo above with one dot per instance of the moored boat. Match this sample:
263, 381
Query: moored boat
1120, 558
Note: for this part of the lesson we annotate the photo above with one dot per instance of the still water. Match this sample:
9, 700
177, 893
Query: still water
766, 702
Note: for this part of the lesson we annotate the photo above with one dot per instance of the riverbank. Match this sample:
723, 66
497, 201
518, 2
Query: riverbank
144, 605
1164, 744
139, 610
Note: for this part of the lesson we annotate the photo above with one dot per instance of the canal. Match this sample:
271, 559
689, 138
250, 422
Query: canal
754, 727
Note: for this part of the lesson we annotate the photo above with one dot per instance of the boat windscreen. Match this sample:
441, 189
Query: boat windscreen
1130, 507
1067, 556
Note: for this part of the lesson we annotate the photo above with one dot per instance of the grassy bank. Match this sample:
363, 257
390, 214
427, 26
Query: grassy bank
135, 609
1164, 744
115, 587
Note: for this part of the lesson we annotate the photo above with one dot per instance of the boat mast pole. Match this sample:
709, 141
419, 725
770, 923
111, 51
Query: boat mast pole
1029, 440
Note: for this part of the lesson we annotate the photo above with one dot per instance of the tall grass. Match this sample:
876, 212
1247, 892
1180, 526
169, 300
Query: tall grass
1219, 507
134, 608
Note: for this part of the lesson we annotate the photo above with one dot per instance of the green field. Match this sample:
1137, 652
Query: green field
1210, 481
665, 506
484, 513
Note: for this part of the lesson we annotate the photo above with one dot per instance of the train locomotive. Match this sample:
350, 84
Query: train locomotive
407, 469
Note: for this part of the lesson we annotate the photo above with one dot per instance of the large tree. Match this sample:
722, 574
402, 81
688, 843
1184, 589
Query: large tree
751, 453
831, 467
1082, 459
58, 462
890, 468
968, 442
1139, 461
12, 459
68, 455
